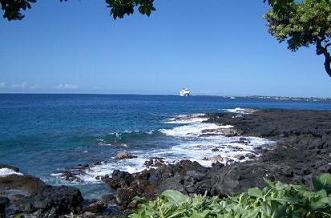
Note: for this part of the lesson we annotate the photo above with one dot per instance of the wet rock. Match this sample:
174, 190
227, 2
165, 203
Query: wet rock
217, 158
191, 180
115, 211
124, 155
70, 176
250, 156
125, 196
303, 150
88, 214
154, 162
229, 132
239, 157
83, 166
4, 202
244, 140
19, 184
57, 200
28, 196
119, 179
96, 207
108, 198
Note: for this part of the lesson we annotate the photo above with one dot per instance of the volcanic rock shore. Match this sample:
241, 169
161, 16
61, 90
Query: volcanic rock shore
303, 150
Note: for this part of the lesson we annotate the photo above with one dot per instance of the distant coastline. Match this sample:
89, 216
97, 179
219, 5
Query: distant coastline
230, 97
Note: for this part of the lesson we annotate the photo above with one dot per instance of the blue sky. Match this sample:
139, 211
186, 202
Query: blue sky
214, 47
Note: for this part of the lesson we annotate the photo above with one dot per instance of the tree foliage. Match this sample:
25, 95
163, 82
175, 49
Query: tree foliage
13, 9
303, 24
120, 8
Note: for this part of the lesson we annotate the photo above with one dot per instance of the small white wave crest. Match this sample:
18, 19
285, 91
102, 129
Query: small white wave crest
239, 110
7, 172
187, 119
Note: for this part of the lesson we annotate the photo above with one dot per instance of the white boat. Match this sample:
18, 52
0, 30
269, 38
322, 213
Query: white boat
185, 92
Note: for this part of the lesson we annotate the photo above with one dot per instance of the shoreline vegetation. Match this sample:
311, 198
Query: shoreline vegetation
302, 153
275, 200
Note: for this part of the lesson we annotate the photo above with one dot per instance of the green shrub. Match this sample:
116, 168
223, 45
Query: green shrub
276, 200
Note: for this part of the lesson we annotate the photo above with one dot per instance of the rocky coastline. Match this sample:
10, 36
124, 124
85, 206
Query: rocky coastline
303, 150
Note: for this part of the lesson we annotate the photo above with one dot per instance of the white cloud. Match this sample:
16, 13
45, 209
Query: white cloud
67, 86
3, 85
22, 85
33, 87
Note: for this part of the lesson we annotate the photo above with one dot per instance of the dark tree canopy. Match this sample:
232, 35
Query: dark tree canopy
303, 24
13, 9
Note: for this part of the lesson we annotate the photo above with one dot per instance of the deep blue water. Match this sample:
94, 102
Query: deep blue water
43, 133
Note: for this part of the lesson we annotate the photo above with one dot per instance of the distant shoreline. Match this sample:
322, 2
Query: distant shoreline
260, 97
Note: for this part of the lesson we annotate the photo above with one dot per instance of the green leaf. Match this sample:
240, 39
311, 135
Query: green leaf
175, 197
323, 182
255, 192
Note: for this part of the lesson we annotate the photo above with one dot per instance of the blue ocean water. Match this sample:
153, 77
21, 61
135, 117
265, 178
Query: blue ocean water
42, 134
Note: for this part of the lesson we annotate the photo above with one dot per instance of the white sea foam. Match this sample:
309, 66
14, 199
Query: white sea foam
239, 110
6, 172
187, 119
196, 141
192, 130
131, 166
229, 148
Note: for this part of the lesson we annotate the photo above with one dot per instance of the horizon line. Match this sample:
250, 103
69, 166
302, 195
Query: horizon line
137, 94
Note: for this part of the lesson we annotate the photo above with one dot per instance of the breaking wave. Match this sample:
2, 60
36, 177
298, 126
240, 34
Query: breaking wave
195, 140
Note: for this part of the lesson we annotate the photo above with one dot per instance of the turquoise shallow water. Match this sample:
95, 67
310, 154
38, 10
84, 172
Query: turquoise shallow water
42, 134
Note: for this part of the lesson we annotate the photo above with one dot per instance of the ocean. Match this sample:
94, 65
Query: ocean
43, 134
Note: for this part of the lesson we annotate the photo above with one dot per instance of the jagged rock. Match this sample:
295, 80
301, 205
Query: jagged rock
124, 155
4, 202
57, 200
119, 179
302, 151
217, 158
226, 131
31, 197
96, 207
108, 198
244, 140
154, 162
18, 184
250, 156
124, 196
239, 157
70, 176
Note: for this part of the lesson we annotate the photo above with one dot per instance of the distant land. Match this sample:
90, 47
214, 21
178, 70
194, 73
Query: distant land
285, 98
233, 97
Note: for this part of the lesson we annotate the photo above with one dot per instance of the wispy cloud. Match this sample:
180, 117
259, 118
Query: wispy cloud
22, 85
67, 86
3, 85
